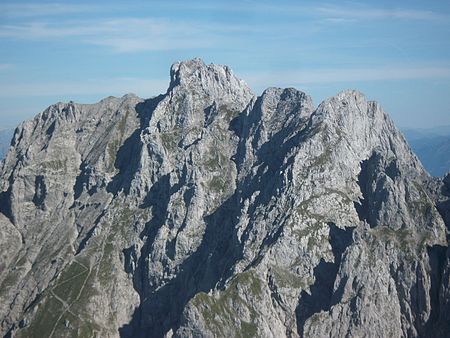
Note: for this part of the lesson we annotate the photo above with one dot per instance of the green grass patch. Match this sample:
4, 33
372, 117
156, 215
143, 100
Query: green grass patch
10, 281
216, 184
409, 242
170, 139
44, 320
55, 165
287, 279
72, 326
248, 329
73, 270
105, 267
113, 148
70, 290
220, 313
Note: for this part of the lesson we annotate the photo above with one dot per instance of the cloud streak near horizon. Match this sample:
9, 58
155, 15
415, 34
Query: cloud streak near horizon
294, 77
343, 75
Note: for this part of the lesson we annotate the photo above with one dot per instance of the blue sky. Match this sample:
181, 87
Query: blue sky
396, 52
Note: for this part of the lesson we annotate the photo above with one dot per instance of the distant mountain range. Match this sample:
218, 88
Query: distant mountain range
432, 146
5, 140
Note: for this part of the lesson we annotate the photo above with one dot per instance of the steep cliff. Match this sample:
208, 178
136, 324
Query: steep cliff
208, 211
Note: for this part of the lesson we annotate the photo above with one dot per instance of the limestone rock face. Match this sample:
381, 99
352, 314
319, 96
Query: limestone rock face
210, 212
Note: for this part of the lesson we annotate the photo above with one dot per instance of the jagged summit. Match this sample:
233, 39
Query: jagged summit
207, 211
213, 79
183, 71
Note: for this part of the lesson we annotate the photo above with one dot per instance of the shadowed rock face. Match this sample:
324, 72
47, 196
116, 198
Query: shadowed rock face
208, 211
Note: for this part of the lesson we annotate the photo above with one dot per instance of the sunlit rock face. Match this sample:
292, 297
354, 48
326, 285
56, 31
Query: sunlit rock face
210, 212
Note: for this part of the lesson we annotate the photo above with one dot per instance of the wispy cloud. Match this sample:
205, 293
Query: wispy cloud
129, 34
294, 78
342, 75
340, 14
150, 34
158, 33
324, 10
307, 8
328, 11
6, 66
15, 10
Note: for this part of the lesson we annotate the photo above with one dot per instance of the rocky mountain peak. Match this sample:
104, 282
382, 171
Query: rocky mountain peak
214, 80
208, 211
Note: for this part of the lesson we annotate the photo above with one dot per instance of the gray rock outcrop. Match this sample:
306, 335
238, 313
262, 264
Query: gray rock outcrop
210, 212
